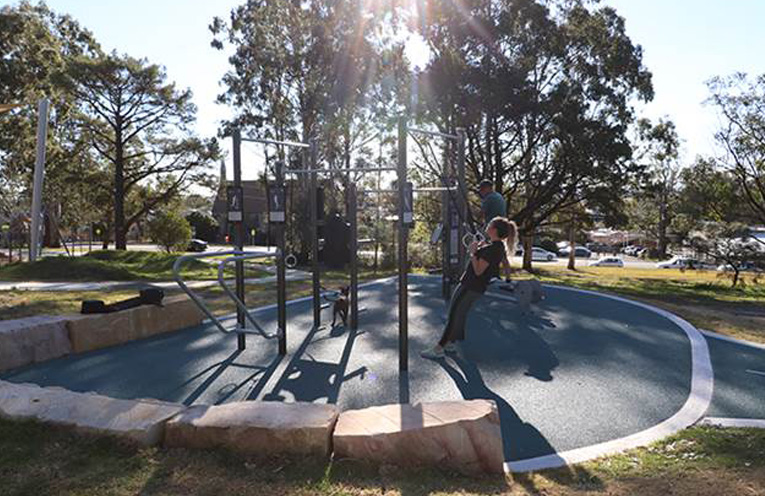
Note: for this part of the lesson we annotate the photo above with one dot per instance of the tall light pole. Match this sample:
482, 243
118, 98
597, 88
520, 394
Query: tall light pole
42, 136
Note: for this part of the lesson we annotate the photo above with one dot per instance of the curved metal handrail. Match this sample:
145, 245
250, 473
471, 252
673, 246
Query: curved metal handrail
195, 298
239, 303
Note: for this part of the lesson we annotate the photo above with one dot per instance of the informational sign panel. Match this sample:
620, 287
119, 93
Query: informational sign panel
454, 235
235, 203
277, 202
408, 204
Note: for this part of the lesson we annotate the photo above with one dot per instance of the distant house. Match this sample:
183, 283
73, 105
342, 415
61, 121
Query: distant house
255, 212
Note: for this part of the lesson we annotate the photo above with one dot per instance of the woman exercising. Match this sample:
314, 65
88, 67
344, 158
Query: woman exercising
485, 259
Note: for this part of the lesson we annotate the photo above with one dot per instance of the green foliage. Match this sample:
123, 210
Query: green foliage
140, 126
170, 231
740, 101
544, 95
548, 244
203, 226
37, 44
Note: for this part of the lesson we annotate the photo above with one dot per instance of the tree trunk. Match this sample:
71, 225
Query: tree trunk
120, 230
662, 242
572, 246
528, 240
735, 277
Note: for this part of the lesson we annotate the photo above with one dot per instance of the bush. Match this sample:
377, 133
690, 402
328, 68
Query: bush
548, 244
204, 226
170, 231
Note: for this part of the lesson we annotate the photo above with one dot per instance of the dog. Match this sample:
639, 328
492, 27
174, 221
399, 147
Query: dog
341, 305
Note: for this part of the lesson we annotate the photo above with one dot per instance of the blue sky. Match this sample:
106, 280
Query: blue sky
685, 43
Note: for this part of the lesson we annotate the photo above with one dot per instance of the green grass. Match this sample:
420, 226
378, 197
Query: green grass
112, 265
704, 298
36, 459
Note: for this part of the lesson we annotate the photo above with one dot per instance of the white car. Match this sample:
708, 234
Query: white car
608, 262
682, 263
538, 254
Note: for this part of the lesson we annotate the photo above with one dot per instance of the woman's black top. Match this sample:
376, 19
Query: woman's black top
493, 253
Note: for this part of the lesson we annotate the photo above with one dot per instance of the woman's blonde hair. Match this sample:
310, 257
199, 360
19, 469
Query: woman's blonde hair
507, 232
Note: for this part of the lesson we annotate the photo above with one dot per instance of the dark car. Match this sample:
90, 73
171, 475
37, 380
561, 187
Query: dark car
197, 245
579, 252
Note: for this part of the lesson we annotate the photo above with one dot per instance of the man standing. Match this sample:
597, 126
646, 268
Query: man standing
493, 205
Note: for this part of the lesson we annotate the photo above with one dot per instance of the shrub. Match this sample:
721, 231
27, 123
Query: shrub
170, 231
204, 226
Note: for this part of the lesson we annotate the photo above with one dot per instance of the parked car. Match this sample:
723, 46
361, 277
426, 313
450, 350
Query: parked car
538, 254
197, 245
579, 252
607, 262
679, 262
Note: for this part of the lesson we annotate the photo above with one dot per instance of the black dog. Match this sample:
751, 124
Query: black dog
341, 306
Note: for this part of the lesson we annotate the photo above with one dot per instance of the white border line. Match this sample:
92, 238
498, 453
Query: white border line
734, 422
722, 337
699, 398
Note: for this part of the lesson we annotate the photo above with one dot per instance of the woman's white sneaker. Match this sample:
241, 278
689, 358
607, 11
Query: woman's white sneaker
433, 353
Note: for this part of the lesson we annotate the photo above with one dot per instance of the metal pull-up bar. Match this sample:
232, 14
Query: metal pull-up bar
435, 133
267, 141
340, 171
415, 190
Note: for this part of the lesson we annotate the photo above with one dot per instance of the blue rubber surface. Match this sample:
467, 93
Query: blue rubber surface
739, 389
582, 370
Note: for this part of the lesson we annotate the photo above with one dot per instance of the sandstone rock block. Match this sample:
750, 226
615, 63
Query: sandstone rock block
140, 421
463, 435
92, 332
259, 427
32, 339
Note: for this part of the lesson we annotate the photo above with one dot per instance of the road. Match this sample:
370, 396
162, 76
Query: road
629, 262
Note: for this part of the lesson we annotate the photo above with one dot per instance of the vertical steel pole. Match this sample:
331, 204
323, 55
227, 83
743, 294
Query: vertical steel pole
354, 249
403, 317
39, 174
238, 240
462, 197
281, 272
315, 237
446, 230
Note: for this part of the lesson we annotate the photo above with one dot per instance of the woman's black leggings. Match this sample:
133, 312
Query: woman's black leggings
462, 299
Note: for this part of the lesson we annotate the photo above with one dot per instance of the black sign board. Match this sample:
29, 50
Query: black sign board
408, 204
277, 203
235, 203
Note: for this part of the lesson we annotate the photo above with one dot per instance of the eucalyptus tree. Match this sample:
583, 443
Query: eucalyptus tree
544, 91
740, 102
309, 70
36, 44
659, 187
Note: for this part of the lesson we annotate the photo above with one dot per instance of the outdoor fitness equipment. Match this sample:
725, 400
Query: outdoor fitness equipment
238, 257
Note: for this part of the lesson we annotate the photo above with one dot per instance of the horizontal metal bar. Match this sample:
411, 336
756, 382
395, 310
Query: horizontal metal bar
339, 171
277, 142
435, 133
194, 297
416, 190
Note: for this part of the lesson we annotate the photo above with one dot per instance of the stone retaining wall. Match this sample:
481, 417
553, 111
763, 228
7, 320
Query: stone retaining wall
256, 427
462, 435
141, 421
92, 332
37, 339
32, 339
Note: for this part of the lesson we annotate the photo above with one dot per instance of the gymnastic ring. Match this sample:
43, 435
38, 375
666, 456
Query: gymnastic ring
290, 261
468, 238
